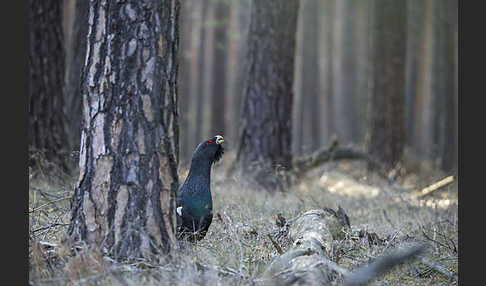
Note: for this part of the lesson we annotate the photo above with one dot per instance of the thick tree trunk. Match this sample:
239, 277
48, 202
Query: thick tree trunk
124, 202
220, 50
387, 117
266, 126
76, 55
46, 70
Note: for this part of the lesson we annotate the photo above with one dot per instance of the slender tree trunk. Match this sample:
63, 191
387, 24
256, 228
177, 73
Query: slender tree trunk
444, 72
124, 202
76, 55
308, 124
299, 100
236, 63
46, 70
329, 89
362, 39
266, 125
414, 8
185, 82
201, 74
345, 72
387, 117
423, 103
220, 51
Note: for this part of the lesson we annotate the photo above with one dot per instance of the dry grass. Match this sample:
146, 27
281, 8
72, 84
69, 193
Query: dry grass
237, 249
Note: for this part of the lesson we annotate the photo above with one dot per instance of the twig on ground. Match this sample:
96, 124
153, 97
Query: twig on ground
49, 226
436, 186
275, 244
391, 240
438, 242
48, 203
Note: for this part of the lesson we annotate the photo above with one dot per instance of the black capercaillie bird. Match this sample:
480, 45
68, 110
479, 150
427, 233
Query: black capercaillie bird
194, 201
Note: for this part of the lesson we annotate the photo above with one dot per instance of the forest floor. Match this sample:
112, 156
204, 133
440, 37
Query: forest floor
237, 250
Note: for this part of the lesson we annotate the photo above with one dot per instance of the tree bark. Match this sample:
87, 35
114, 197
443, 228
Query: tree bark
124, 201
387, 117
312, 234
47, 131
266, 126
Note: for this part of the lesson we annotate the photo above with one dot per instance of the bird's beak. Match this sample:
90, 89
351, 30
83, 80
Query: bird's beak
219, 139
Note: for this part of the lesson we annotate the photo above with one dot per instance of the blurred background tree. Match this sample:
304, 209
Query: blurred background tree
47, 129
264, 142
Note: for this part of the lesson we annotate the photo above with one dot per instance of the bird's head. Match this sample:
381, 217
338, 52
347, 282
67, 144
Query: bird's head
210, 149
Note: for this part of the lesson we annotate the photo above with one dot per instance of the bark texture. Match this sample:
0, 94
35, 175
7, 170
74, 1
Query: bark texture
124, 202
265, 134
312, 234
46, 70
388, 94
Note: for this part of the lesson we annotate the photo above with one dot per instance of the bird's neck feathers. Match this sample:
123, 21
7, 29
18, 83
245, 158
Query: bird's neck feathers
200, 166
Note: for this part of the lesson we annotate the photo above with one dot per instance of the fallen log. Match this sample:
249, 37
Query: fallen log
312, 233
308, 260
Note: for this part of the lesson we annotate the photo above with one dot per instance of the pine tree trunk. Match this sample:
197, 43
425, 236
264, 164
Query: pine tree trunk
218, 95
444, 82
124, 202
185, 86
413, 36
76, 55
307, 109
201, 74
266, 126
46, 70
329, 80
344, 70
387, 117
